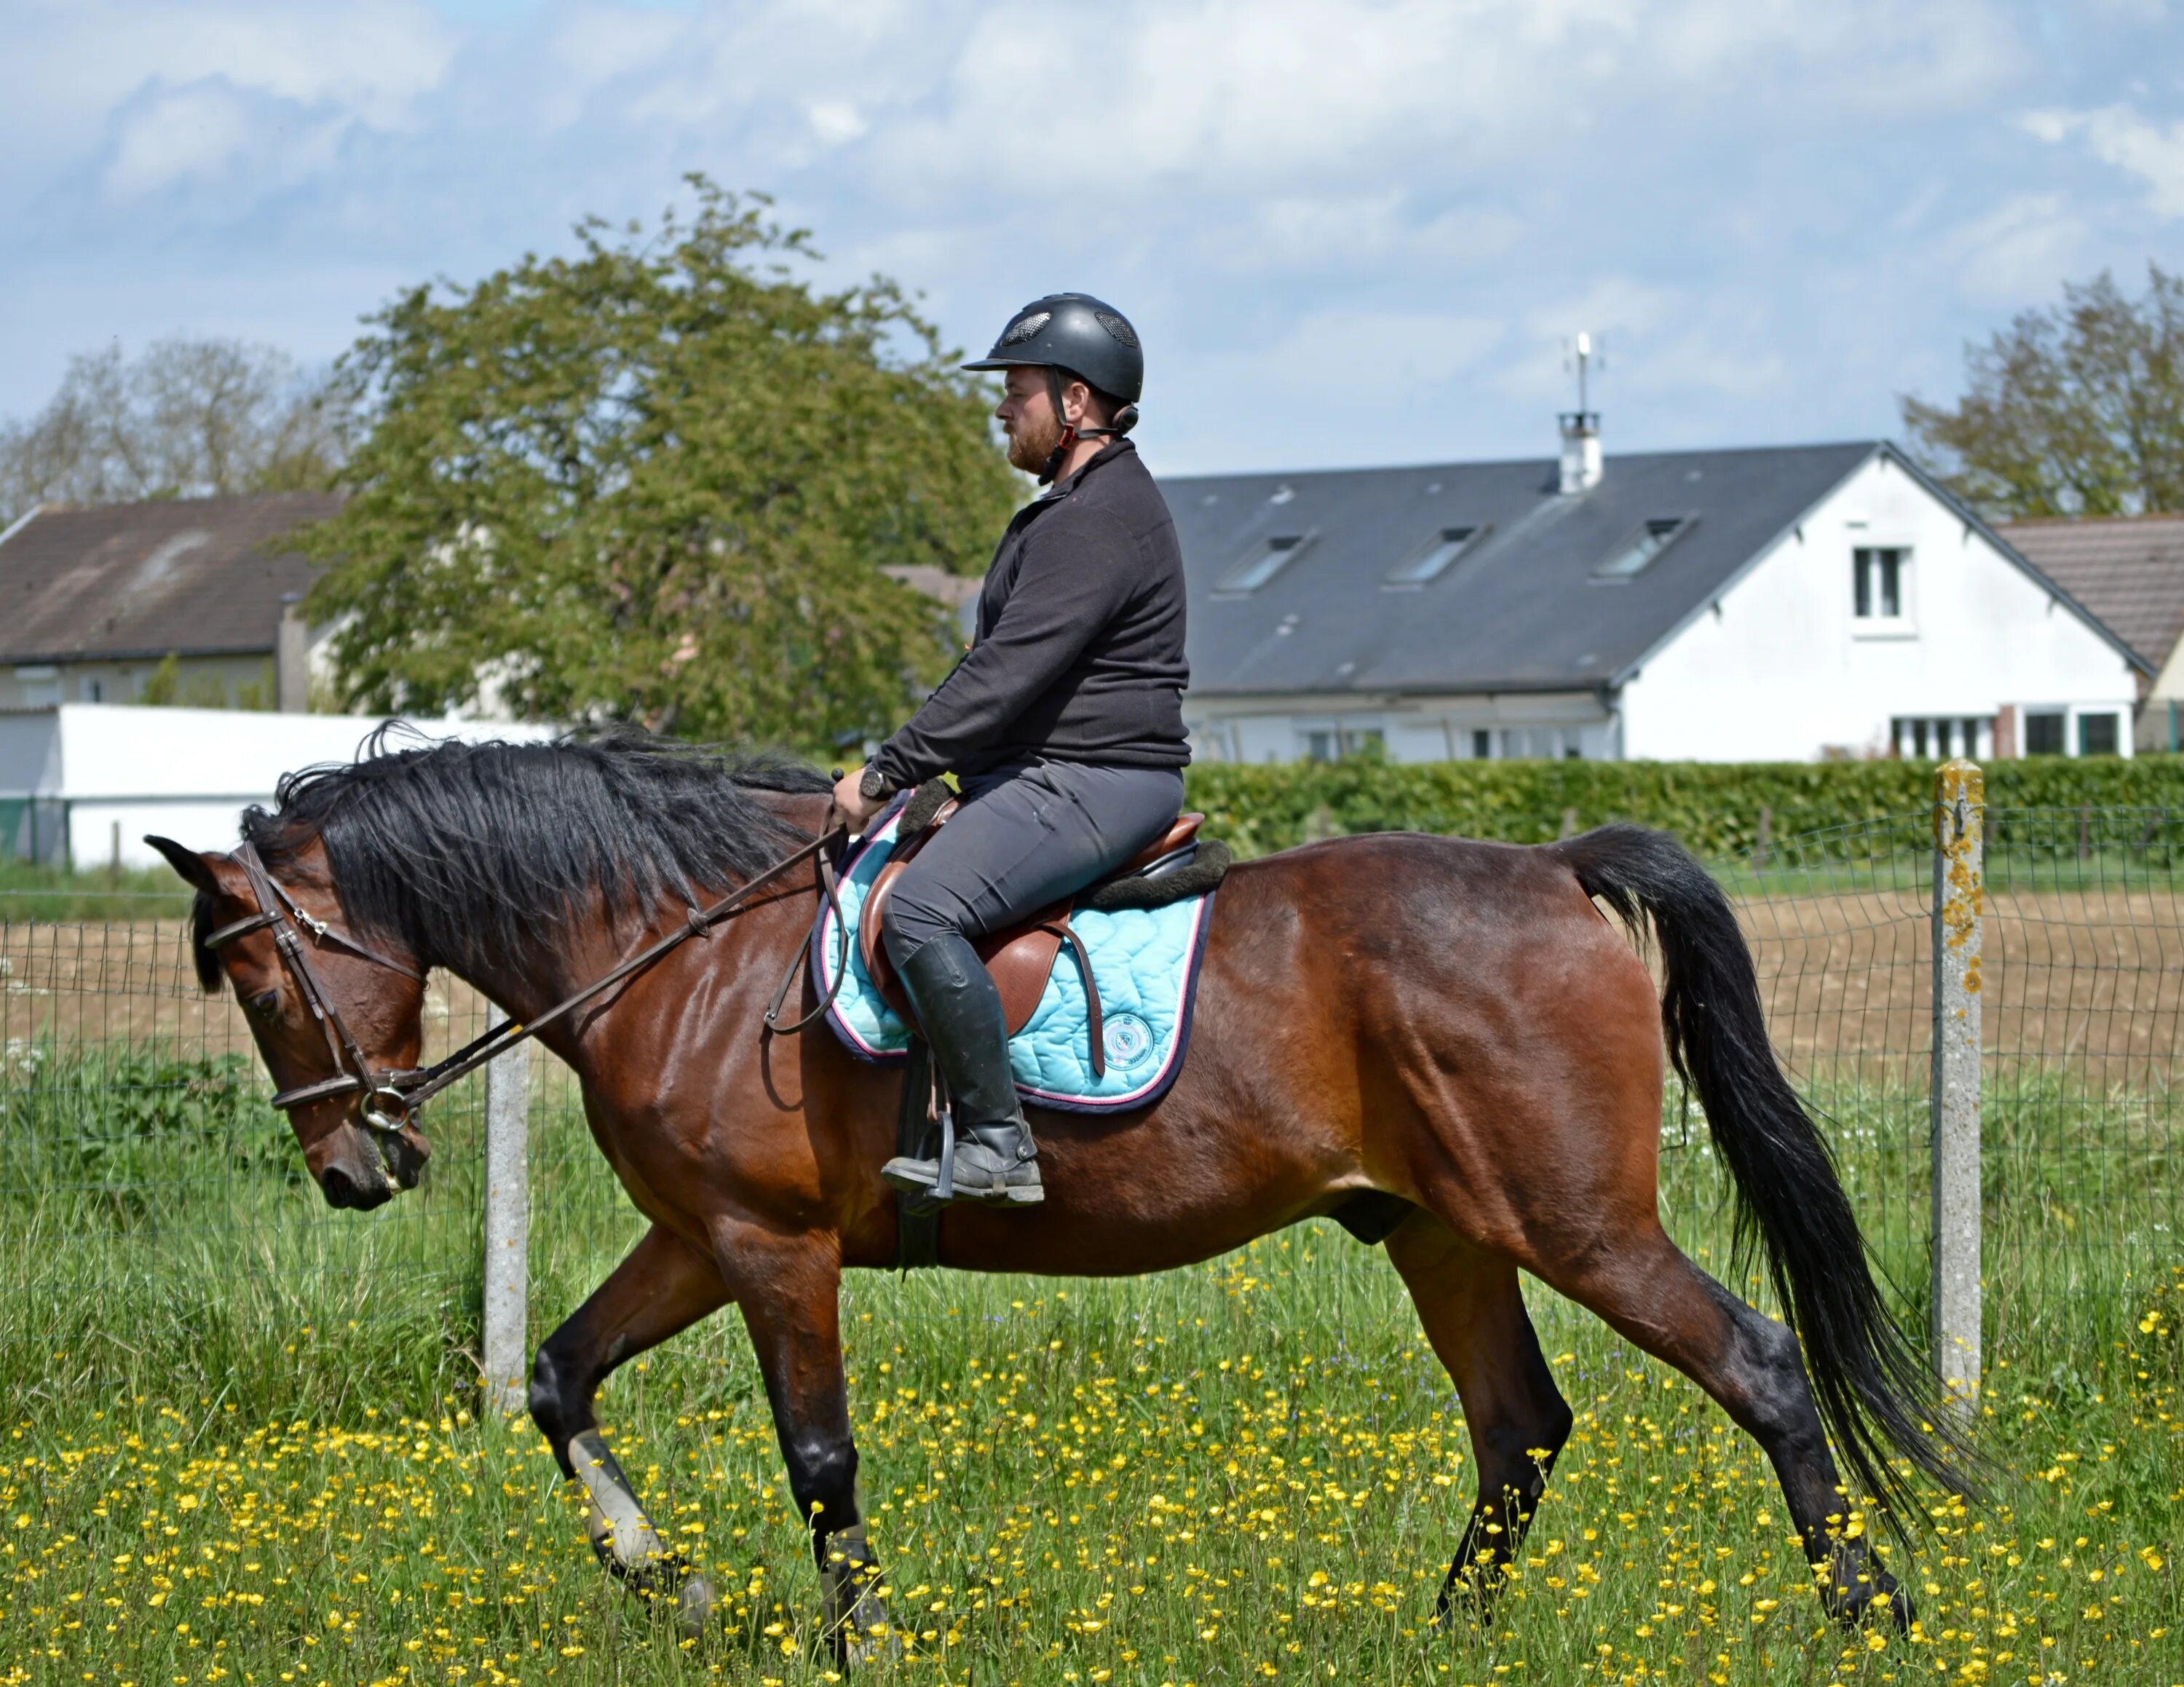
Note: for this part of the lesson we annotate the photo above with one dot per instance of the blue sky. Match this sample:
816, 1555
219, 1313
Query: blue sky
1351, 230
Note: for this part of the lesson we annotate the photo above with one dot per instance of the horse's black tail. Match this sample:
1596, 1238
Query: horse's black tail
1874, 1394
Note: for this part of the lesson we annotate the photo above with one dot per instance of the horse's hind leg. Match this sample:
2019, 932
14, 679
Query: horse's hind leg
1657, 1299
664, 1286
1474, 1315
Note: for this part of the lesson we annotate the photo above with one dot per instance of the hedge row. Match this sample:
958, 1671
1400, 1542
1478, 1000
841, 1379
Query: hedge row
1714, 807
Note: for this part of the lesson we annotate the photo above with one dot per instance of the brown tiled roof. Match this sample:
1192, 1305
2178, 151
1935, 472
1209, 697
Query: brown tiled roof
199, 576
2128, 570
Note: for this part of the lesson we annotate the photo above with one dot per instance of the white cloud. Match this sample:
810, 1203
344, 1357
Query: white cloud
2016, 252
190, 131
2117, 134
836, 121
1375, 220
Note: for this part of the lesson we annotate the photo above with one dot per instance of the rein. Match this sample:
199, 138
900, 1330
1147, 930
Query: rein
391, 1098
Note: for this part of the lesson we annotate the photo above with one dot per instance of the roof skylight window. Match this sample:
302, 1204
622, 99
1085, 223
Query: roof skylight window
1261, 563
1631, 557
1435, 560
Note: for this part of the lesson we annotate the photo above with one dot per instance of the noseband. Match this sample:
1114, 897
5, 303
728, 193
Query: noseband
353, 1069
391, 1097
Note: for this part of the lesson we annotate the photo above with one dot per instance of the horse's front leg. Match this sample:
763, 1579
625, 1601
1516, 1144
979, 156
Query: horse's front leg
788, 1288
664, 1286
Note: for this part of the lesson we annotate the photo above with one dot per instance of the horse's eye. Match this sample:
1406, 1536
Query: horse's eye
264, 1003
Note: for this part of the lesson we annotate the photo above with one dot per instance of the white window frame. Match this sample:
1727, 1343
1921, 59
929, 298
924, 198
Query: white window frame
1904, 623
1348, 733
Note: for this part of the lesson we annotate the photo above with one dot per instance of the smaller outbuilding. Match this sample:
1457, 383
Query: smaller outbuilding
191, 600
1782, 603
2129, 571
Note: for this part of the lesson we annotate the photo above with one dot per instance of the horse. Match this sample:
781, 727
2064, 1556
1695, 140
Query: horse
1450, 1033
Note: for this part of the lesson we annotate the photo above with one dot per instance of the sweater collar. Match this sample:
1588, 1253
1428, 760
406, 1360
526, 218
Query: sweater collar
1106, 453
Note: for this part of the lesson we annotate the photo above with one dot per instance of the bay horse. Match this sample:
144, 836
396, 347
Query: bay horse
1452, 1030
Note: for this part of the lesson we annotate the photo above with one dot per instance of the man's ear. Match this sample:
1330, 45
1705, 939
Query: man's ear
196, 869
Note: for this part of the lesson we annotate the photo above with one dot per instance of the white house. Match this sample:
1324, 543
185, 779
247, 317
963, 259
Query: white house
1786, 603
83, 783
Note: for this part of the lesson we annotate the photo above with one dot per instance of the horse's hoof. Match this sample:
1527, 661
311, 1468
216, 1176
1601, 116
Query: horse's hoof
695, 1606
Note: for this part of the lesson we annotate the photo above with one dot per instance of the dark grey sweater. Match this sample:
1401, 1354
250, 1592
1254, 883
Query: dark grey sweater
1079, 648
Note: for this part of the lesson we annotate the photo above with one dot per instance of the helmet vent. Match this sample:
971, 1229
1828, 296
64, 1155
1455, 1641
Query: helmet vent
1120, 329
1025, 327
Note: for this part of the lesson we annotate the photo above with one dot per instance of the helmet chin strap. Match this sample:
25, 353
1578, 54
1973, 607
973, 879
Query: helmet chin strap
1124, 421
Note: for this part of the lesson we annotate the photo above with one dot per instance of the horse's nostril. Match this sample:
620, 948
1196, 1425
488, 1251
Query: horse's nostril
343, 1189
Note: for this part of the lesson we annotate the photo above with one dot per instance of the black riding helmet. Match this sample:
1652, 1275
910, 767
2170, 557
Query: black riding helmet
1075, 334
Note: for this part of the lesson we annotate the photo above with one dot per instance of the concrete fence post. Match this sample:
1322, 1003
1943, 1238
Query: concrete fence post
1960, 909
507, 1228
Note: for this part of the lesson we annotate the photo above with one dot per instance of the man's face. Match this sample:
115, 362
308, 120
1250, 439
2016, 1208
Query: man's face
1027, 415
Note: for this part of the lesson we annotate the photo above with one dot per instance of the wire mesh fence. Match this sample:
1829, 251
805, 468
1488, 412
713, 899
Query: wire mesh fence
2083, 989
136, 1147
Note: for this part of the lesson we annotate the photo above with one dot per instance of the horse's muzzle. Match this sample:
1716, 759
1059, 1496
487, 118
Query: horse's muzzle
356, 1187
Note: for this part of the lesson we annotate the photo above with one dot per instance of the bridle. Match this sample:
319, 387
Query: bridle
391, 1097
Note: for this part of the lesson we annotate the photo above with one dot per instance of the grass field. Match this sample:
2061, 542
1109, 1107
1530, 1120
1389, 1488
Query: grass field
240, 1444
240, 1448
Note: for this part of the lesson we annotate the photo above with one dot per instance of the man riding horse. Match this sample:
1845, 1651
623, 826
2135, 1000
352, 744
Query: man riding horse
1063, 722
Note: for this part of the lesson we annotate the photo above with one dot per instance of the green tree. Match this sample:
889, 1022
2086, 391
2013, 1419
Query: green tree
2075, 411
657, 481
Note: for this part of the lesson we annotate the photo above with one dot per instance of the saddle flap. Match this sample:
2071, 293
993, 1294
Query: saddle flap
1021, 957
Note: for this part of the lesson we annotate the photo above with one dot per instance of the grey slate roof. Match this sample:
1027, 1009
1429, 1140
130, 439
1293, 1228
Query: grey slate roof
196, 576
2128, 570
1521, 610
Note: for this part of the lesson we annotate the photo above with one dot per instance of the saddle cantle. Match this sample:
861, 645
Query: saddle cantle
1021, 956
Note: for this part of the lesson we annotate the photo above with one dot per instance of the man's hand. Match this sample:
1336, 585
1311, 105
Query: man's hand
851, 805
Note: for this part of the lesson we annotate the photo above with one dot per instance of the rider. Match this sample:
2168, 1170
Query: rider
1063, 722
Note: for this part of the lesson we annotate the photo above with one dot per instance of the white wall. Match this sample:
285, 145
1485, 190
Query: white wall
187, 773
1276, 728
1784, 671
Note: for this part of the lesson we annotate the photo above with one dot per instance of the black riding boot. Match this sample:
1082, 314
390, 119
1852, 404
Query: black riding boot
961, 1012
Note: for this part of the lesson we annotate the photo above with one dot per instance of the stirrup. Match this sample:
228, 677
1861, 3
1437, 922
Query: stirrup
934, 1182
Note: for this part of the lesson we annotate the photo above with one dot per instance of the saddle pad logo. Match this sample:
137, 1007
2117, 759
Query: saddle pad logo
1127, 1040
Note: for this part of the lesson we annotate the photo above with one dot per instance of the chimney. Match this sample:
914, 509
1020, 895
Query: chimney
1581, 451
1580, 427
291, 657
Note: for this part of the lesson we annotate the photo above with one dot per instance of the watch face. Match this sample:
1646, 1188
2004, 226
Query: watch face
874, 785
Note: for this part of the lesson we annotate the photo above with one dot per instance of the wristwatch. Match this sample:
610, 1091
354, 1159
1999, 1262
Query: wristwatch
875, 787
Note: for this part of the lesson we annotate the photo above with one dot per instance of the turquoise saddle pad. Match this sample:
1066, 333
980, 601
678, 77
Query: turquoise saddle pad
1145, 960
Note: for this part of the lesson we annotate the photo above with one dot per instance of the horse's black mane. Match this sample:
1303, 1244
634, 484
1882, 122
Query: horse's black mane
463, 852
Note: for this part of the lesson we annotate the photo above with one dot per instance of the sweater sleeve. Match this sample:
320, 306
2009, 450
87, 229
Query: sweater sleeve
1075, 575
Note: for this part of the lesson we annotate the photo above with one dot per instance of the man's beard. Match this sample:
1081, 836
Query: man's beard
1031, 442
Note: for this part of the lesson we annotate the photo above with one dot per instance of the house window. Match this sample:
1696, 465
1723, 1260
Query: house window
1878, 577
1939, 737
2096, 735
94, 691
1434, 560
1263, 562
1539, 743
2043, 732
1482, 744
1332, 740
1634, 554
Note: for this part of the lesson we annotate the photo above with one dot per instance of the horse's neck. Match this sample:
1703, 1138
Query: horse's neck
588, 946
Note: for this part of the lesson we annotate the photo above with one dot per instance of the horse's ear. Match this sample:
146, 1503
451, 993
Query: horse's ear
196, 870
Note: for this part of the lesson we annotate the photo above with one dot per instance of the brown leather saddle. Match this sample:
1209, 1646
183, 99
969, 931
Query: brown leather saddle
1022, 956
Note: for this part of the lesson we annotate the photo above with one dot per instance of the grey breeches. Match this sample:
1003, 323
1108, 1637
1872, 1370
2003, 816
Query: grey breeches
1027, 834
